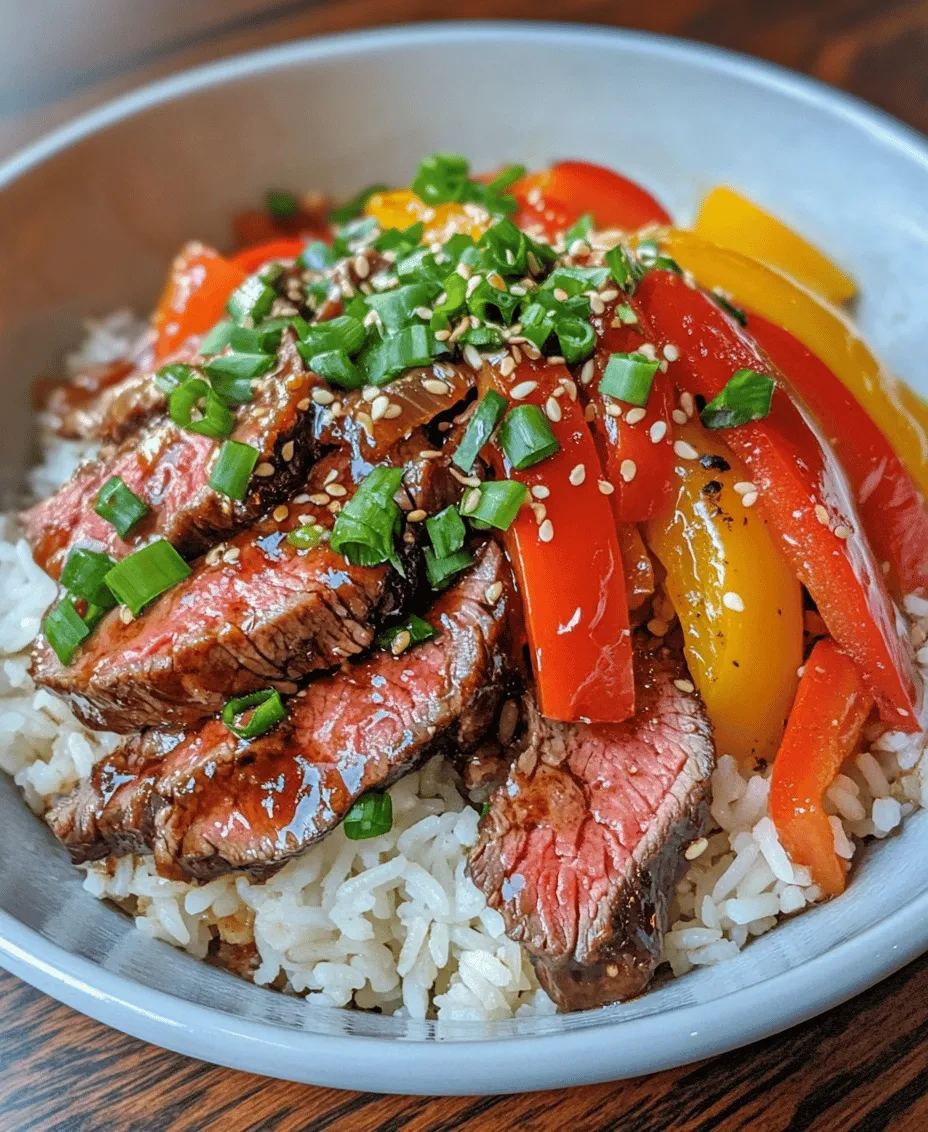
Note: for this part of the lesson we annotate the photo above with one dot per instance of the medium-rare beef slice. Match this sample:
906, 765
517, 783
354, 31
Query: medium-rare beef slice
169, 469
207, 803
111, 414
582, 846
257, 612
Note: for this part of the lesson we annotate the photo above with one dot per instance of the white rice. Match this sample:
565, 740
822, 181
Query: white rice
393, 923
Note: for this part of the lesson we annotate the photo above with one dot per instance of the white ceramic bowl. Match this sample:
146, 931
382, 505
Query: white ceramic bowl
89, 218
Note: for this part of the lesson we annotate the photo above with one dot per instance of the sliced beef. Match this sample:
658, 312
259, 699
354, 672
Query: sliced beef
582, 846
111, 414
207, 803
255, 612
169, 469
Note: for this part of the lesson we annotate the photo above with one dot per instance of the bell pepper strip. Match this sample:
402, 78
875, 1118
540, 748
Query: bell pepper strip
892, 511
639, 569
401, 208
822, 329
250, 259
824, 727
637, 447
194, 299
731, 221
556, 198
737, 598
257, 226
802, 491
568, 563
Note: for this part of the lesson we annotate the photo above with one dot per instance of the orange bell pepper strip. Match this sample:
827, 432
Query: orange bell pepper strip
556, 198
824, 727
891, 509
639, 569
250, 259
568, 564
730, 220
637, 447
803, 492
194, 299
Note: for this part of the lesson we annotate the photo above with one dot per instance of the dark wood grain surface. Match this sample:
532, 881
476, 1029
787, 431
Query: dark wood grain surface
860, 1068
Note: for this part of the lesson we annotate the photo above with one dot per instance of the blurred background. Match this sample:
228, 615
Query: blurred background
59, 57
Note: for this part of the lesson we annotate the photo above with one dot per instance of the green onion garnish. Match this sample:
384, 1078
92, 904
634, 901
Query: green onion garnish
232, 471
281, 204
579, 230
417, 629
575, 337
398, 308
498, 504
489, 302
342, 333
537, 324
307, 536
484, 809
746, 397
169, 377
411, 346
629, 377
354, 207
83, 575
64, 629
441, 570
232, 370
317, 256
369, 817
215, 418
576, 280
447, 531
400, 240
480, 428
261, 711
119, 506
483, 337
336, 367
354, 235
146, 573
622, 269
367, 525
252, 299
526, 437
454, 289
218, 338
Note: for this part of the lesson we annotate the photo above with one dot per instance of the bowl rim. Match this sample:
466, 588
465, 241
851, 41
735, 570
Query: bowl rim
516, 1062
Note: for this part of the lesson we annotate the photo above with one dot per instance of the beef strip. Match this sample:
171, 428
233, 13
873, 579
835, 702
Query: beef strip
111, 414
207, 803
169, 468
582, 846
256, 612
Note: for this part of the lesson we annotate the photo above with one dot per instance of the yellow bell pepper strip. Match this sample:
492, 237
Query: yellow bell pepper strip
738, 601
728, 219
802, 490
820, 328
824, 726
401, 208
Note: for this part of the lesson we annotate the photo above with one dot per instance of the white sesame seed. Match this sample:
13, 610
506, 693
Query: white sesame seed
733, 601
687, 404
493, 593
471, 502
416, 516
287, 451
379, 406
696, 849
539, 491
539, 511
264, 469
281, 512
232, 555
523, 389
393, 412
842, 531
561, 295
613, 410
577, 475
320, 499
442, 335
605, 487
647, 349
125, 615
628, 470
303, 405
361, 266
597, 306
301, 498
745, 487
570, 386
555, 360
609, 294
633, 416
552, 409
370, 393
430, 454
531, 351
336, 490
466, 481
472, 357
821, 514
657, 431
586, 374
684, 686
323, 396
671, 353
546, 531
679, 417
400, 642
685, 451
749, 499
507, 365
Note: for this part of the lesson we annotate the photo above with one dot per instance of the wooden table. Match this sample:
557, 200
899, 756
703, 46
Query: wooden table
860, 1068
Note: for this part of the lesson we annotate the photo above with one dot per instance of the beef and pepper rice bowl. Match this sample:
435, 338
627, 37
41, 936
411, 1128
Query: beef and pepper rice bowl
472, 599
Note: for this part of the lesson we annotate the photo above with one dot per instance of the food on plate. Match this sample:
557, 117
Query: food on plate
476, 598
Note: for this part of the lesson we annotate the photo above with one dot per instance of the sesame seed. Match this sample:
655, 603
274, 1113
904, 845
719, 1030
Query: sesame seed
628, 470
364, 420
370, 393
303, 405
586, 374
416, 516
320, 499
472, 357
696, 849
400, 642
523, 389
493, 593
555, 360
531, 351
546, 531
464, 270
560, 294
540, 512
684, 686
323, 396
433, 385
577, 475
336, 490
471, 502
687, 404
733, 601
301, 498
609, 294
613, 410
539, 491
393, 412
685, 451
605, 487
597, 306
335, 506
430, 454
280, 513
424, 312
671, 353
379, 406
821, 514
552, 409
569, 386
633, 416
749, 499
516, 352
657, 431
287, 451
842, 531
467, 481
125, 615
507, 365
264, 469
361, 266
745, 487
647, 349
232, 555
442, 335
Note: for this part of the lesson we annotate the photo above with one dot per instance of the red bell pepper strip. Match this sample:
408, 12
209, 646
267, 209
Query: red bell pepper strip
803, 491
568, 565
830, 708
636, 448
250, 259
557, 197
194, 298
890, 507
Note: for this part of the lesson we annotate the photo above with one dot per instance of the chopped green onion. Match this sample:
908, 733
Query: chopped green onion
354, 207
580, 229
345, 333
729, 308
505, 248
498, 504
446, 531
169, 377
317, 293
441, 570
623, 271
216, 419
665, 263
506, 177
485, 296
218, 338
480, 428
252, 299
263, 710
454, 289
281, 204
232, 374
397, 308
83, 575
336, 367
626, 314
537, 324
440, 178
400, 240
232, 471
484, 809
483, 337
746, 397
94, 613
264, 339
526, 437
64, 629
417, 629
354, 235
576, 338
145, 574
576, 280
120, 507
399, 351
366, 527
369, 817
317, 256
307, 536
629, 377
